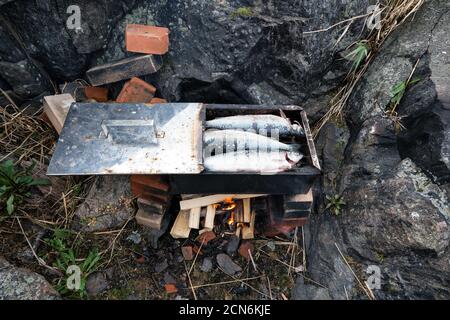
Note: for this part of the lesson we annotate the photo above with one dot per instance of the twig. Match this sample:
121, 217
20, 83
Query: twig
244, 283
287, 265
303, 249
196, 255
270, 287
367, 290
8, 97
39, 259
292, 260
251, 259
112, 246
190, 281
339, 23
224, 282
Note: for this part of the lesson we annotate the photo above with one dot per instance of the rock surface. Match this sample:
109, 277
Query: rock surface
217, 53
397, 214
97, 283
108, 205
23, 284
227, 265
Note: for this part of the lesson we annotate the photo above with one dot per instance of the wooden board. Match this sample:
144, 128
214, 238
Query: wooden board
248, 232
210, 215
247, 210
307, 197
56, 108
213, 199
180, 228
194, 218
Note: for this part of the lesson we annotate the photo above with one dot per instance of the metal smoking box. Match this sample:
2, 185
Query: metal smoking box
167, 139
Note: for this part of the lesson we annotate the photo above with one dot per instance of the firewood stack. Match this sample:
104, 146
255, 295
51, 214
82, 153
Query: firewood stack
153, 199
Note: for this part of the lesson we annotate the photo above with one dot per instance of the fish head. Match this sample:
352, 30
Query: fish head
298, 130
293, 157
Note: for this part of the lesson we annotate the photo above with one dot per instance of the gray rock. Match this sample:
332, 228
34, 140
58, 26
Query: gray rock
97, 283
425, 108
161, 266
24, 78
23, 284
206, 265
2, 2
302, 291
168, 278
108, 205
135, 237
227, 265
233, 245
215, 55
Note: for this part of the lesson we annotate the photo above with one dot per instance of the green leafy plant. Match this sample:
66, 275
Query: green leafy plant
66, 257
15, 185
398, 91
358, 54
335, 204
243, 12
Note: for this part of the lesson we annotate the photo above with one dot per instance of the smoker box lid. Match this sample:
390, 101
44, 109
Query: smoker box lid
100, 139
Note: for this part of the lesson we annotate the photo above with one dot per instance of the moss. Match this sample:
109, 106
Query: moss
119, 293
243, 12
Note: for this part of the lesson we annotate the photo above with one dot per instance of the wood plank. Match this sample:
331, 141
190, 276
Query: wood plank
194, 218
192, 196
307, 197
180, 228
56, 108
213, 199
247, 210
248, 232
210, 215
238, 231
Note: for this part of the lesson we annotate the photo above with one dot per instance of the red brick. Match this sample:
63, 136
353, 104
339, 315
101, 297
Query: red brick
136, 91
170, 288
140, 260
188, 253
96, 93
154, 181
158, 100
197, 250
243, 249
283, 227
206, 237
147, 39
151, 195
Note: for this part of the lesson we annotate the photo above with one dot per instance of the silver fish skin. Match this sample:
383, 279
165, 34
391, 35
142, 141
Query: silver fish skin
240, 140
259, 162
260, 122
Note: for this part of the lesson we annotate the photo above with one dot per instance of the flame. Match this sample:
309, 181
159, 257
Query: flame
228, 204
231, 219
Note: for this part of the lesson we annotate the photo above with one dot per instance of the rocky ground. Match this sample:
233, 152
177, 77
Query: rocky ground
392, 172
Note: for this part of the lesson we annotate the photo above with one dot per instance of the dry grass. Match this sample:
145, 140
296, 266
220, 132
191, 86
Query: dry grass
24, 136
394, 13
